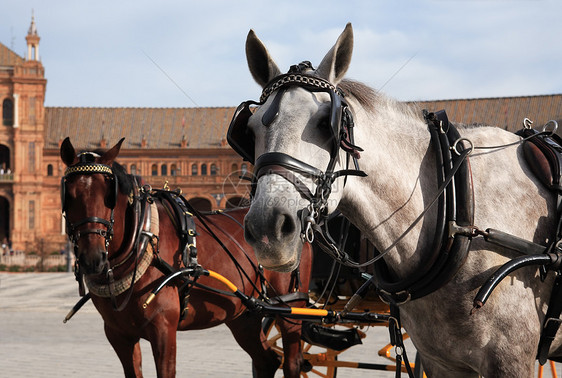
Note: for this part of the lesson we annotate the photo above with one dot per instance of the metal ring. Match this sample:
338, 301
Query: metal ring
309, 233
527, 123
454, 147
555, 127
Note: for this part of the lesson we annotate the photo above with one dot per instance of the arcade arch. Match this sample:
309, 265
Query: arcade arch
4, 159
4, 219
201, 204
237, 202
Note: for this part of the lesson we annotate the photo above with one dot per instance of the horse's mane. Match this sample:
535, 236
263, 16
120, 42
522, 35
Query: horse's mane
365, 95
372, 99
124, 179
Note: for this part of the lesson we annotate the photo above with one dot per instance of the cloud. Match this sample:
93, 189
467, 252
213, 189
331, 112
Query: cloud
94, 52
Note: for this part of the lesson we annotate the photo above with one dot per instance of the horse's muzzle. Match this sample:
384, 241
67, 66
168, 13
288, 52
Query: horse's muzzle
274, 233
92, 261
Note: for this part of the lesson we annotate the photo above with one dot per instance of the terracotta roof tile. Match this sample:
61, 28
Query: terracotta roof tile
8, 57
505, 112
163, 128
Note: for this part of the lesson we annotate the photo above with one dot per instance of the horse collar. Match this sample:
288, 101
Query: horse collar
455, 214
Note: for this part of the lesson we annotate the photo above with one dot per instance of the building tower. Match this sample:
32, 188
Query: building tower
32, 41
22, 95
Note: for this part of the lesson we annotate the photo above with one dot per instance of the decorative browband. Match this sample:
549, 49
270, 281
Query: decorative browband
297, 79
88, 168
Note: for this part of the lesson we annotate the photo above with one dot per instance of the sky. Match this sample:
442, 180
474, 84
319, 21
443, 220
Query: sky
174, 53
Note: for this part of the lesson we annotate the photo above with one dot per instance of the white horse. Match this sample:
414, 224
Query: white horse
296, 121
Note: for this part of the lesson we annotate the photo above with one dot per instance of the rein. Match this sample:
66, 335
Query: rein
205, 222
455, 217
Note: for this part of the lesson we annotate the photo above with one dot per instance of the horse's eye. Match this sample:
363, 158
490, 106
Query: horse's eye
324, 123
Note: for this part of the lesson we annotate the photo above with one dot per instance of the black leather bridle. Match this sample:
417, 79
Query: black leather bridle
341, 129
87, 166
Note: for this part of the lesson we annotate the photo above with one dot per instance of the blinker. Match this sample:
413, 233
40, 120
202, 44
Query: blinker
238, 136
242, 141
85, 166
273, 111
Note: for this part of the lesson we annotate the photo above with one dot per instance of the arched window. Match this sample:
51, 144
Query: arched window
8, 112
154, 170
194, 169
234, 167
164, 170
124, 167
134, 169
4, 158
174, 170
203, 169
49, 169
244, 168
214, 170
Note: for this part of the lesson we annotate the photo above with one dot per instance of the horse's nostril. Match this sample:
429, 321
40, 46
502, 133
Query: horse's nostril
288, 225
249, 232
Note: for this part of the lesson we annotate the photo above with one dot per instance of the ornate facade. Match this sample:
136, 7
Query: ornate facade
185, 147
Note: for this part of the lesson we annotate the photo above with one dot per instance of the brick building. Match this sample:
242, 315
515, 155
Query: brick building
185, 147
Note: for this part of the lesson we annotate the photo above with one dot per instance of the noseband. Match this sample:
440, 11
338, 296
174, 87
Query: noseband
87, 166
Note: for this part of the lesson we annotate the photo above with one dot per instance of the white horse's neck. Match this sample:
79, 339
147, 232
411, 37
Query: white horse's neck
401, 182
399, 166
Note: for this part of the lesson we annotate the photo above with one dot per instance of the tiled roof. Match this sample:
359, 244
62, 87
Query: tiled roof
8, 57
163, 128
160, 127
505, 112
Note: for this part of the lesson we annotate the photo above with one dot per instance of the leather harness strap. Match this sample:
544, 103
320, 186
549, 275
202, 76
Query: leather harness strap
182, 219
543, 153
455, 210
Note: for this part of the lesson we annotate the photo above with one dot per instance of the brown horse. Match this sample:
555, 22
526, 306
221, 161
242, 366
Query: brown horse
123, 245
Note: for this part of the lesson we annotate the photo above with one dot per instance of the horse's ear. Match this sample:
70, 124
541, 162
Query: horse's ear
335, 64
262, 67
67, 152
109, 156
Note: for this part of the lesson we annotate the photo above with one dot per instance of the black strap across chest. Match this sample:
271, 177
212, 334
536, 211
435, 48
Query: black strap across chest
182, 218
455, 211
543, 153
